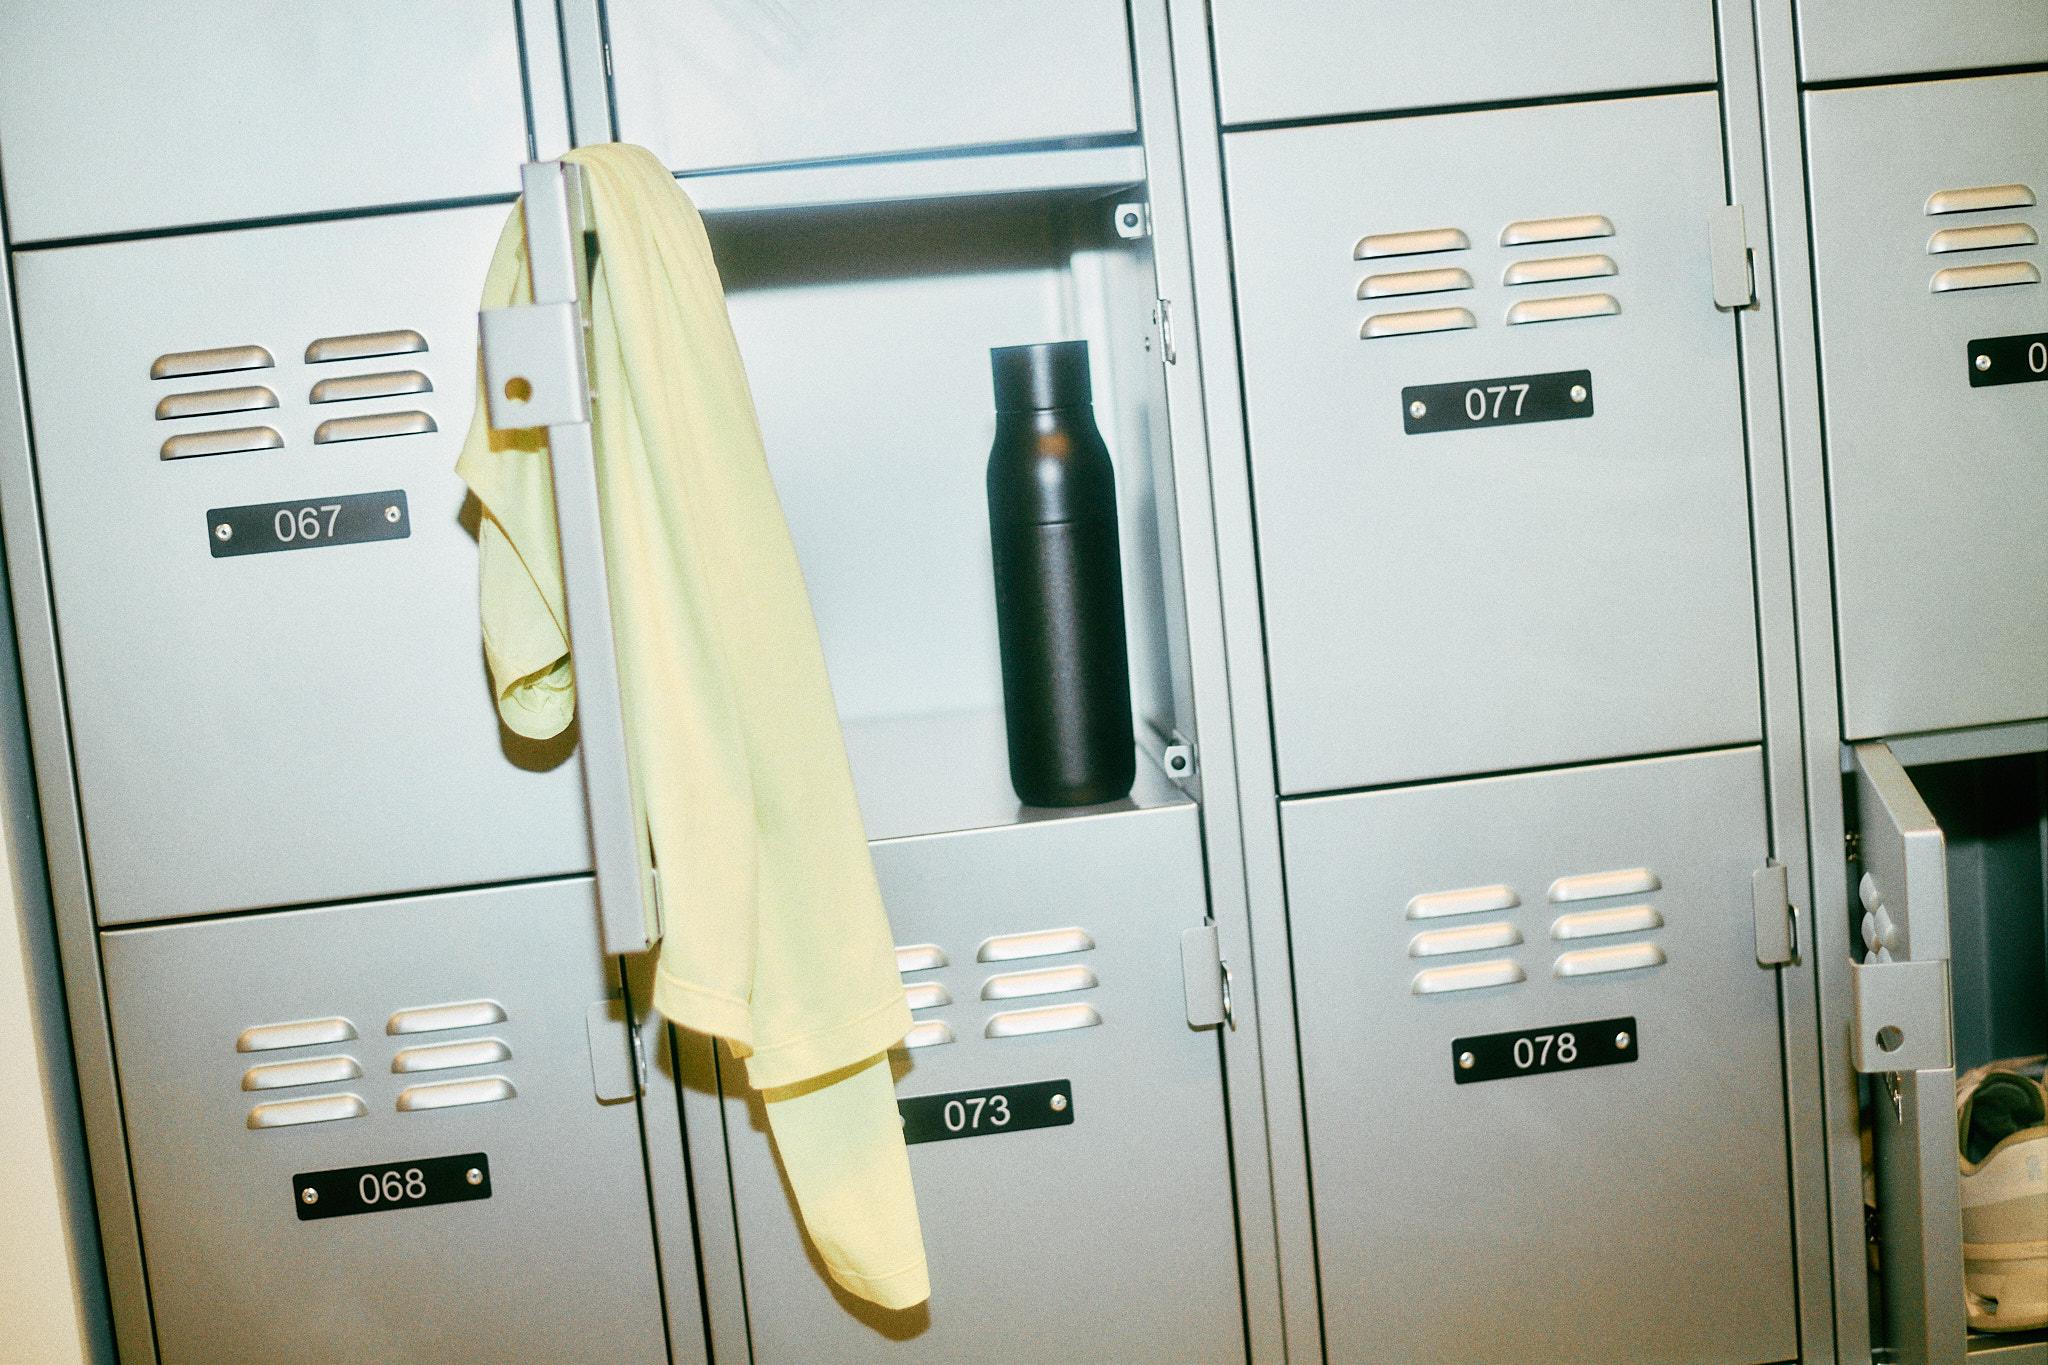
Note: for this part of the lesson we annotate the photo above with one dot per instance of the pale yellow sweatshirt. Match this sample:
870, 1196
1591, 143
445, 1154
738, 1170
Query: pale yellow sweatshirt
774, 935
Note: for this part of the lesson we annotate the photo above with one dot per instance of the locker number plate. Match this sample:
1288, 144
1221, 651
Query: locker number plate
2009, 360
1501, 402
308, 524
393, 1185
980, 1113
1533, 1051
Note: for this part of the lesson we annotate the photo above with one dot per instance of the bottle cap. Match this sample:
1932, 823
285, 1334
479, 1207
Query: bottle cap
1050, 374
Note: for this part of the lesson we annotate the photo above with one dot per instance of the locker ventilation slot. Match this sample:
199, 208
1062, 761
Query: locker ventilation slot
1044, 1019
373, 426
1043, 981
191, 444
298, 1033
1551, 269
1470, 900
1991, 275
1471, 938
1622, 957
927, 995
453, 1094
309, 1071
1978, 198
390, 384
1531, 231
448, 1056
1413, 282
1467, 976
920, 957
1414, 323
207, 402
1422, 243
219, 360
436, 1018
1563, 309
1593, 886
365, 345
927, 1033
1984, 237
1624, 919
312, 1109
1038, 943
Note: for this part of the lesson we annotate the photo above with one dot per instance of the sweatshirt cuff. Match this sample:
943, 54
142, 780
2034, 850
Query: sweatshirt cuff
896, 1289
792, 1061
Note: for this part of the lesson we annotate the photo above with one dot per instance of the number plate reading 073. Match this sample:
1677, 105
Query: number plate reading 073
308, 524
978, 1113
1530, 1052
1497, 402
2009, 360
393, 1185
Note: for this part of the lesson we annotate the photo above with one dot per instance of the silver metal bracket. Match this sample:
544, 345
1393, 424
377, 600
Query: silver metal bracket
1205, 977
1777, 922
1901, 1016
1133, 219
1162, 318
1734, 260
533, 367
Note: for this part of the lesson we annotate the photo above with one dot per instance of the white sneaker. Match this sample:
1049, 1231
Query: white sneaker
2002, 1129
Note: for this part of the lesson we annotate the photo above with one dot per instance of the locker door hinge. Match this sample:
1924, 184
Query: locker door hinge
1205, 976
1734, 260
1162, 318
1777, 919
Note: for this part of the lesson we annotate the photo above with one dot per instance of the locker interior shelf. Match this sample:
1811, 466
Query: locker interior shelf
902, 179
2016, 1348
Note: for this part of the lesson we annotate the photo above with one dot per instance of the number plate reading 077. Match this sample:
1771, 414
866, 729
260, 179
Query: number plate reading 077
1497, 402
1533, 1051
393, 1185
979, 1113
308, 524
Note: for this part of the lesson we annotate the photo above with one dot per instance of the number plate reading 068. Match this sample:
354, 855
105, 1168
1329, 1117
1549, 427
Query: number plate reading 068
394, 1185
978, 1113
2009, 360
1530, 1052
308, 524
1497, 402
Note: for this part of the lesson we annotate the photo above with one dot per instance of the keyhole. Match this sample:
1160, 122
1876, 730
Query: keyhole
518, 389
1889, 1038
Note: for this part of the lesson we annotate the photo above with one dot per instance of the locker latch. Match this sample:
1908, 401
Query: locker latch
1205, 977
1162, 318
1734, 262
1777, 920
1901, 1016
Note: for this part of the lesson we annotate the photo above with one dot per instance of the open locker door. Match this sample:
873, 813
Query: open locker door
1903, 1041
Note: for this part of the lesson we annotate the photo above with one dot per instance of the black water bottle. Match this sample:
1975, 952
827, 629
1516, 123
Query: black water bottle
1059, 582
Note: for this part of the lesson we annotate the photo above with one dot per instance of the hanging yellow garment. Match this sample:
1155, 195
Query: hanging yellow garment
774, 935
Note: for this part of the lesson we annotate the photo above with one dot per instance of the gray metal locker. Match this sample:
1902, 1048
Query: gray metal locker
1291, 59
1473, 1201
1447, 589
1850, 39
1934, 379
248, 730
1045, 953
128, 115
257, 1051
711, 83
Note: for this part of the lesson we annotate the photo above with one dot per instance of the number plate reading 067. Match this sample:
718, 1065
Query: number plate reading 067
308, 524
394, 1185
1530, 1052
2009, 360
978, 1113
1497, 402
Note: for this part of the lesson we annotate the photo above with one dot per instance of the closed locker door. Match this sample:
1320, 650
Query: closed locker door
264, 568
1849, 39
1934, 379
378, 1055
1541, 1067
707, 83
1290, 59
125, 115
1496, 440
1086, 1213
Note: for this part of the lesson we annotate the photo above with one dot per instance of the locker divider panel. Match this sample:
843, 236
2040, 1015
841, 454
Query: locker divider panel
278, 728
496, 986
1633, 1211
1561, 590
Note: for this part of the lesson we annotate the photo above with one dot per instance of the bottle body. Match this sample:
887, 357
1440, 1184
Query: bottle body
1059, 601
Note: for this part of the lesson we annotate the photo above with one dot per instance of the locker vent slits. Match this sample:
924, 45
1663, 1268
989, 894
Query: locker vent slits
1621, 957
372, 426
1413, 282
297, 1033
349, 388
436, 1018
1979, 198
1467, 976
1417, 321
1591, 886
365, 346
920, 957
209, 402
1551, 269
1579, 227
929, 996
312, 1109
449, 1056
1563, 308
305, 1071
190, 444
1040, 981
1991, 275
1469, 938
453, 1094
926, 995
1425, 242
2015, 234
1983, 237
1468, 900
217, 360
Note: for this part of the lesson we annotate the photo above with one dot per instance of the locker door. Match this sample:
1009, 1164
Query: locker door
1288, 59
1847, 39
1042, 955
1927, 265
1902, 989
256, 1052
1447, 589
1606, 1183
709, 83
125, 115
313, 723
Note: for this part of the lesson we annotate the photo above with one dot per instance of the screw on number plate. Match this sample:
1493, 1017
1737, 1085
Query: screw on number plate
1621, 1041
1466, 1061
309, 1195
1983, 362
1578, 393
391, 515
223, 532
1059, 1104
473, 1176
1418, 408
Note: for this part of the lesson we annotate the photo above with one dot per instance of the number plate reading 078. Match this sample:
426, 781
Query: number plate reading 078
393, 1185
307, 524
1533, 1051
1497, 402
979, 1113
